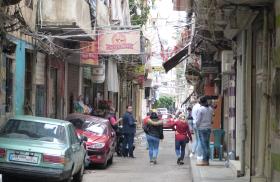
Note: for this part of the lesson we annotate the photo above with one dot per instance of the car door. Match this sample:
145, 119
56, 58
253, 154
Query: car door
76, 148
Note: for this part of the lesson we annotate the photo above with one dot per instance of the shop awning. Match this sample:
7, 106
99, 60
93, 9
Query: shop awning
176, 59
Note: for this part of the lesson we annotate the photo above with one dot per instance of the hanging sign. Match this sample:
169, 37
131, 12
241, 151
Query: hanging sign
89, 53
119, 42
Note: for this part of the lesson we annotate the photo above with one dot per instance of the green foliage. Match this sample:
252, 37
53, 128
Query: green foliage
164, 102
139, 19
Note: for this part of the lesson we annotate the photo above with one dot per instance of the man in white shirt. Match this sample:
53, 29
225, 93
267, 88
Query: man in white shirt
203, 124
195, 146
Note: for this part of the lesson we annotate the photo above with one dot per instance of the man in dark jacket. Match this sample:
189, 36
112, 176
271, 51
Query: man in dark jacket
129, 130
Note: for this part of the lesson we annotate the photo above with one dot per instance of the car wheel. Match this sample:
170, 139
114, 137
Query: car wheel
6, 178
110, 161
79, 176
104, 165
87, 161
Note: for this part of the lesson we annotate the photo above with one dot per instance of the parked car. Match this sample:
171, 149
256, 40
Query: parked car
162, 111
101, 136
40, 148
168, 121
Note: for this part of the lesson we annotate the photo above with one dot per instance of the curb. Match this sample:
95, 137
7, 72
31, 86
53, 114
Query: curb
194, 171
139, 132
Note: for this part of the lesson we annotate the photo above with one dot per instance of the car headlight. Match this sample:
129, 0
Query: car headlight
96, 145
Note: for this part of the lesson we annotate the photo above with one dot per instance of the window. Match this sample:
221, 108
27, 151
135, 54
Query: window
74, 137
29, 4
9, 84
97, 129
28, 83
34, 131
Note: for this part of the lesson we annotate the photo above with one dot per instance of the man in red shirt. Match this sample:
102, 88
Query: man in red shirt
182, 137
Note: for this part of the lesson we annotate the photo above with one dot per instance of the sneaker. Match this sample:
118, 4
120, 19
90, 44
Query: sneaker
202, 163
199, 158
191, 155
155, 162
178, 161
182, 162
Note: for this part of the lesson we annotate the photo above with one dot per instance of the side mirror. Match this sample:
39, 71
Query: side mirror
83, 139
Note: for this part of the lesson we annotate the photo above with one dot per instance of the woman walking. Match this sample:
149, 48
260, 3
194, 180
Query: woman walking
182, 137
154, 133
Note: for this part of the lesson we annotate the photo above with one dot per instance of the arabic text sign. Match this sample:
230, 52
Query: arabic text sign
89, 53
119, 42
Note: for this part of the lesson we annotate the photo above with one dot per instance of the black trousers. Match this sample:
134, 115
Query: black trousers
128, 144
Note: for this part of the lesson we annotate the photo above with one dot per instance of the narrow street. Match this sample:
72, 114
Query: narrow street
139, 169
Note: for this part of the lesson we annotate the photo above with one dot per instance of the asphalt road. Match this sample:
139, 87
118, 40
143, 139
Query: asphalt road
140, 170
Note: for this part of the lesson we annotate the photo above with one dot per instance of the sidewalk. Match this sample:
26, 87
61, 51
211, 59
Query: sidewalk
215, 172
139, 131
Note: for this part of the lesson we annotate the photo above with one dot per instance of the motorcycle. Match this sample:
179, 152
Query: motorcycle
120, 142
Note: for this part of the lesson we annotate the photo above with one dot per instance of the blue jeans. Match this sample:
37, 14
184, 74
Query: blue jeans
196, 144
191, 124
128, 141
153, 146
180, 147
204, 137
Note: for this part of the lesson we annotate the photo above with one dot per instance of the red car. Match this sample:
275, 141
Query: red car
168, 121
101, 136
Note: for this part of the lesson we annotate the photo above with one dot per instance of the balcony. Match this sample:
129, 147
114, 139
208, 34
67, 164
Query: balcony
69, 17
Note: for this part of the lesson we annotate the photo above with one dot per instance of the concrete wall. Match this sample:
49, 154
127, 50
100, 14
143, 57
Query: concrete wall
68, 13
29, 13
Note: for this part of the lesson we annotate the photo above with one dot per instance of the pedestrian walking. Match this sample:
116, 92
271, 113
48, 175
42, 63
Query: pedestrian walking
203, 123
154, 131
145, 122
129, 130
196, 143
189, 117
182, 137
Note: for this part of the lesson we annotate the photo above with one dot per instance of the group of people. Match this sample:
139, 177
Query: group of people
128, 122
82, 107
202, 114
199, 118
153, 128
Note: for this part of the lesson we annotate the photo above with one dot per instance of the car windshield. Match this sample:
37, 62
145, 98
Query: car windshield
164, 116
161, 110
96, 128
80, 124
34, 130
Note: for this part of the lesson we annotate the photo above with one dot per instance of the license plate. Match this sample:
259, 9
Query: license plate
23, 158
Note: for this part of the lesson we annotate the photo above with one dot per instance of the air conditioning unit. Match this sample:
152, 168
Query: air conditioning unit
227, 62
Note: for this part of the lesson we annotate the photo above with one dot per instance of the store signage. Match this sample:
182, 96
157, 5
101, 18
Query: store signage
210, 67
89, 53
119, 42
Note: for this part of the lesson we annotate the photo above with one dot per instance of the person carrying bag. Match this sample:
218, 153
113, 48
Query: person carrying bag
182, 137
154, 131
